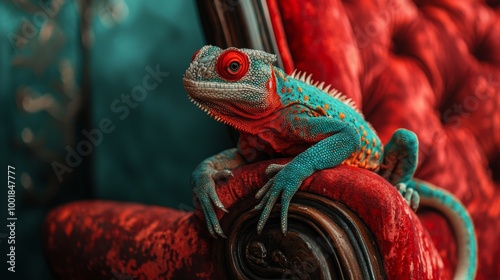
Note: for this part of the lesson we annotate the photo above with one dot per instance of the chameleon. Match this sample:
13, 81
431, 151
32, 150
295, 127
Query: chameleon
280, 115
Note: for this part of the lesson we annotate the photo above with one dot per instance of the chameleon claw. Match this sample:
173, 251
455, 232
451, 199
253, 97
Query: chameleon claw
274, 168
270, 201
206, 194
207, 218
219, 231
221, 206
216, 200
264, 189
259, 229
223, 174
284, 224
286, 198
271, 171
415, 200
262, 221
410, 195
277, 186
263, 201
401, 187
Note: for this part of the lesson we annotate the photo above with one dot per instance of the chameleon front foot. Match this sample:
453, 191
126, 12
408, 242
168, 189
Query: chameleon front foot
271, 171
204, 190
410, 195
269, 194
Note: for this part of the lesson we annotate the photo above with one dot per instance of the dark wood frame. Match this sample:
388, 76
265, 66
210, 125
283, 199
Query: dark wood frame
325, 240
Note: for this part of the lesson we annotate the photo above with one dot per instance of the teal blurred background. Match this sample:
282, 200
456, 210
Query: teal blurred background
46, 70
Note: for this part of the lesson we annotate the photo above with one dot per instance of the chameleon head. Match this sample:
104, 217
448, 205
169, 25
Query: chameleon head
235, 86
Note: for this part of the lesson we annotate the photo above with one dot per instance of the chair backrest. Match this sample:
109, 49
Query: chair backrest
241, 24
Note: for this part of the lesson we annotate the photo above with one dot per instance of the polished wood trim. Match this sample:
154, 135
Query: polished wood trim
325, 240
237, 23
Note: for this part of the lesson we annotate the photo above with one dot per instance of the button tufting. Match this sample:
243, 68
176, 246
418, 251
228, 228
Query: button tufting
486, 50
495, 169
482, 52
493, 3
398, 44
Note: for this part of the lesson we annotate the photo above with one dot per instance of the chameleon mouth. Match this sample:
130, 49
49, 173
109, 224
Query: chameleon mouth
214, 87
212, 109
221, 102
217, 116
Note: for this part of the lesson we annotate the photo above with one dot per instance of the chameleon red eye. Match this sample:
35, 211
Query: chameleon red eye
194, 55
232, 65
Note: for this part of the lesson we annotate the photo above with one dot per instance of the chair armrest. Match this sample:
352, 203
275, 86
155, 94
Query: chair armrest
325, 240
343, 221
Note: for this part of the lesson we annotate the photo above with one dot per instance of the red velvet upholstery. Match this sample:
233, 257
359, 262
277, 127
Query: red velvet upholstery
93, 240
430, 66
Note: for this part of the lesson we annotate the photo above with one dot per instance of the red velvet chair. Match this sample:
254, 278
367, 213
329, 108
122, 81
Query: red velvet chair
430, 66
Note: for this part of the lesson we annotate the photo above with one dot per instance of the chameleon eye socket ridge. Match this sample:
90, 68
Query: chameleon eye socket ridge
232, 65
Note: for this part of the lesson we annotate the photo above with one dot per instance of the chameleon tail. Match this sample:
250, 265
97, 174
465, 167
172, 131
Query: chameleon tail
454, 210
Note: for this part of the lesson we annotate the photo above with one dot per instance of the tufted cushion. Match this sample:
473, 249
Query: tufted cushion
430, 66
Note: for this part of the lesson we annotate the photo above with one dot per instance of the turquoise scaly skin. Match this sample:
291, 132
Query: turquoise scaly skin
280, 115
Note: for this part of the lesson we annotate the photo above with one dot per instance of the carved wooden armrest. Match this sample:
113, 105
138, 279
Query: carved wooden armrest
325, 240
